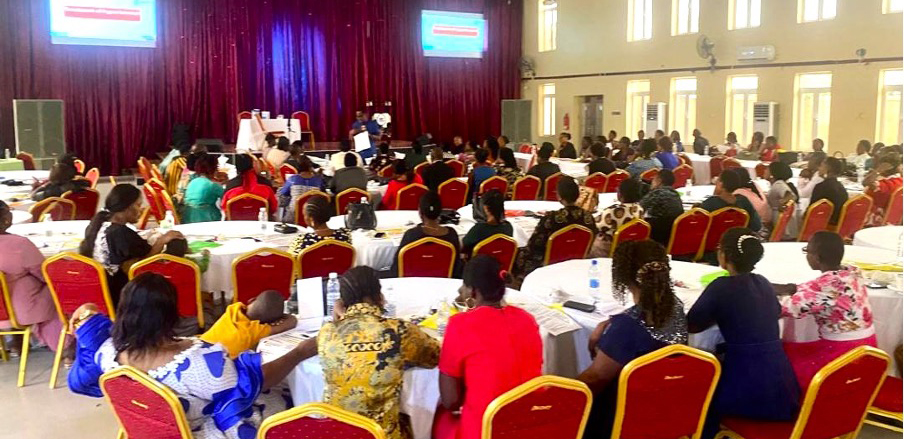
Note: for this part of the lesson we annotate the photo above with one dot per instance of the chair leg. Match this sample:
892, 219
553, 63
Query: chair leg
57, 359
3, 354
23, 362
121, 434
143, 219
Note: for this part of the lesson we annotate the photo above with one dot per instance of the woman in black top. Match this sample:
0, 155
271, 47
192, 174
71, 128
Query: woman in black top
493, 203
429, 210
62, 180
110, 241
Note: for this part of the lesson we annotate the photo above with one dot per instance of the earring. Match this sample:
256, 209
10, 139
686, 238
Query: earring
472, 304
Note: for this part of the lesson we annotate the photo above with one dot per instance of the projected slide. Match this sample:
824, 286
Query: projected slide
104, 22
453, 34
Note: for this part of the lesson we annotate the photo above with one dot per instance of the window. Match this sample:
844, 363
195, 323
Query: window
888, 119
683, 117
638, 98
640, 20
739, 106
815, 10
890, 6
548, 109
743, 14
812, 106
685, 17
548, 21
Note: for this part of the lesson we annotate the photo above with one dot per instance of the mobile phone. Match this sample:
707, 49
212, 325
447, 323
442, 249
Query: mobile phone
379, 235
876, 285
579, 306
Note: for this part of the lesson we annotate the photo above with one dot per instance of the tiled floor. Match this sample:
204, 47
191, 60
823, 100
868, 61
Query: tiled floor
36, 412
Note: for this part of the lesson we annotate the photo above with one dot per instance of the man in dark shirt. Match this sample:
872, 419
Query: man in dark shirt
416, 156
438, 172
566, 148
242, 164
544, 168
640, 136
351, 176
701, 145
661, 206
830, 188
599, 163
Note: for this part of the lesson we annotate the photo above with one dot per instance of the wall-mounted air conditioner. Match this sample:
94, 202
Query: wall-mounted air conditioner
756, 53
655, 118
765, 118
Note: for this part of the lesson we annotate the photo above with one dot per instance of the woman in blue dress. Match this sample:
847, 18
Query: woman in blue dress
757, 379
202, 193
222, 398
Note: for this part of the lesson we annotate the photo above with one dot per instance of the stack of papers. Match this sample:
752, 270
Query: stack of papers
552, 321
278, 345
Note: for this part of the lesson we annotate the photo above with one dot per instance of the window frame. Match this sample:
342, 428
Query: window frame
631, 93
547, 109
799, 142
733, 8
887, 6
881, 106
820, 11
693, 17
750, 97
646, 33
547, 26
690, 112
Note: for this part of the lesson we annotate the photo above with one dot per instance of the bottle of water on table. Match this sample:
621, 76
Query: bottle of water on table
262, 218
594, 275
48, 224
332, 293
168, 222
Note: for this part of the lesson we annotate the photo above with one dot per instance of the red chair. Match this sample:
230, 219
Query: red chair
419, 169
720, 221
386, 172
853, 216
893, 212
683, 174
319, 421
286, 170
144, 407
154, 208
715, 166
665, 393
497, 182
835, 404
649, 175
74, 280
544, 407
325, 257
58, 208
526, 188
614, 179
570, 242
168, 206
550, 189
458, 168
243, 115
692, 225
816, 219
778, 230
409, 197
156, 174
8, 313
453, 193
634, 230
261, 270
348, 196
887, 404
28, 161
730, 163
144, 168
185, 277
92, 176
596, 181
732, 152
245, 207
304, 121
760, 170
300, 202
685, 160
526, 148
427, 257
79, 166
85, 201
499, 247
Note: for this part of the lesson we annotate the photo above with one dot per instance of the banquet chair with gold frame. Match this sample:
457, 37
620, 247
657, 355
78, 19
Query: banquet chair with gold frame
427, 257
156, 174
458, 168
286, 170
300, 202
409, 197
304, 125
261, 270
386, 172
144, 407
854, 214
526, 188
648, 175
185, 276
720, 221
816, 219
92, 176
495, 182
760, 170
715, 167
893, 212
419, 169
85, 201
319, 421
887, 405
544, 407
79, 166
166, 201
730, 163
634, 230
778, 230
570, 242
614, 179
683, 174
245, 207
500, 247
325, 257
550, 187
596, 181
154, 208
59, 209
7, 312
144, 168
453, 193
693, 225
28, 161
348, 196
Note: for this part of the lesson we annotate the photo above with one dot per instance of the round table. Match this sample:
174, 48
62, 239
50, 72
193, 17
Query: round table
689, 195
574, 168
24, 176
21, 216
63, 236
885, 237
515, 211
700, 163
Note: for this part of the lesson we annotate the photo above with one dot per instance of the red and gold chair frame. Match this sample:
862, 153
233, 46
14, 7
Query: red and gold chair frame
563, 231
422, 241
79, 166
525, 389
299, 268
155, 386
304, 123
342, 203
617, 238
385, 172
92, 176
649, 174
778, 231
494, 182
15, 329
614, 179
242, 197
696, 212
456, 166
492, 239
893, 210
299, 204
889, 384
805, 231
411, 187
167, 201
520, 181
464, 191
846, 230
137, 267
321, 410
597, 181
45, 206
73, 196
258, 252
547, 191
712, 222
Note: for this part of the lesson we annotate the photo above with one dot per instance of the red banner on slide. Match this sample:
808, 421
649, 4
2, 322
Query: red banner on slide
115, 14
455, 31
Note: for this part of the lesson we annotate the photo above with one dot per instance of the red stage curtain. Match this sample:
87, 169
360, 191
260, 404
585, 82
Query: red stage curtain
215, 58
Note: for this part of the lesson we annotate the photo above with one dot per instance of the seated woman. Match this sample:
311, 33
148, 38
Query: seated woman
62, 180
187, 176
277, 156
752, 193
251, 185
296, 186
383, 159
110, 241
729, 182
402, 177
757, 380
487, 351
222, 397
296, 154
429, 209
611, 218
493, 204
880, 183
364, 380
202, 193
508, 169
481, 171
645, 161
781, 190
838, 301
317, 212
654, 321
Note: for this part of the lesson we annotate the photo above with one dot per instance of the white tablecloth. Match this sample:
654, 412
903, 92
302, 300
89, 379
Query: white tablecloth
24, 176
570, 167
700, 163
251, 137
689, 195
522, 226
21, 216
885, 237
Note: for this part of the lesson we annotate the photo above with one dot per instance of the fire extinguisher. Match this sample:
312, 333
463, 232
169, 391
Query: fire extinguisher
566, 122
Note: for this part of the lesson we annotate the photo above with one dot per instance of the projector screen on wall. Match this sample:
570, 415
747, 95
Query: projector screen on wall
453, 34
104, 22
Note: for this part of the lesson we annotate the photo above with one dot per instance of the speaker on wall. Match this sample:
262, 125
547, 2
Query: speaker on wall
40, 129
516, 119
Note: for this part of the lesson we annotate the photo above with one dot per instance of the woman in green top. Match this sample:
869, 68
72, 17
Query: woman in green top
494, 208
202, 193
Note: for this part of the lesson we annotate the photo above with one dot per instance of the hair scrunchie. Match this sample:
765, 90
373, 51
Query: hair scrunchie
651, 267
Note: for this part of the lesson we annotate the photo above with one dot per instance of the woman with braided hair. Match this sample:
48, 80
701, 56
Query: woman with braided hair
757, 380
655, 320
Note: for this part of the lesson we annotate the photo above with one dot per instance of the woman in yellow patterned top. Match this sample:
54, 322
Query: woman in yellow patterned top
364, 354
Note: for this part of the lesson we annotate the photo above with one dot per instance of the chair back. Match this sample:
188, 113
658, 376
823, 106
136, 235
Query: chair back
732, 152
59, 209
144, 168
544, 407
526, 148
92, 176
155, 173
304, 120
299, 204
730, 163
685, 160
261, 270
155, 207
28, 161
79, 166
615, 178
85, 201
458, 168
634, 230
185, 277
893, 212
526, 188
427, 257
692, 225
569, 242
649, 174
349, 196
167, 202
722, 220
325, 257
286, 170
778, 230
144, 407
596, 181
683, 174
409, 197
243, 115
496, 182
7, 312
419, 168
816, 219
853, 216
550, 189
760, 170
319, 421
666, 393
500, 247
453, 193
386, 172
245, 207
75, 280
715, 167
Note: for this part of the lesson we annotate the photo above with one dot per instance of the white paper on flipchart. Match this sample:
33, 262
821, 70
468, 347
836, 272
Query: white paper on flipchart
362, 141
310, 297
553, 321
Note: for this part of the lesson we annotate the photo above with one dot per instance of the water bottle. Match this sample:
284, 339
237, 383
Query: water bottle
291, 305
442, 318
168, 221
48, 227
594, 274
689, 187
262, 218
332, 293
7, 154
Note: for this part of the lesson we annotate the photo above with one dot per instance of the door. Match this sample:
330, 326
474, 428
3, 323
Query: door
592, 115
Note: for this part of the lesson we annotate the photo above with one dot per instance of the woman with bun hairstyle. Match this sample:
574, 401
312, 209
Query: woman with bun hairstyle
429, 209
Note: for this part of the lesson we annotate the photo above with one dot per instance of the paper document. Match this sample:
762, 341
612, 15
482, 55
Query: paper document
278, 345
362, 141
553, 321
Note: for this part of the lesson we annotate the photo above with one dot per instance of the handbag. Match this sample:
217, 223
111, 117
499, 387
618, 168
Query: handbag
361, 216
477, 210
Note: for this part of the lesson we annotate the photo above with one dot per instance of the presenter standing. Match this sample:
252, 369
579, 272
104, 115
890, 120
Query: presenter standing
361, 124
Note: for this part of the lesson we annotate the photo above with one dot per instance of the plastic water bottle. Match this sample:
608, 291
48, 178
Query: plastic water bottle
594, 275
332, 293
689, 187
7, 154
442, 318
48, 226
291, 304
168, 221
262, 218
